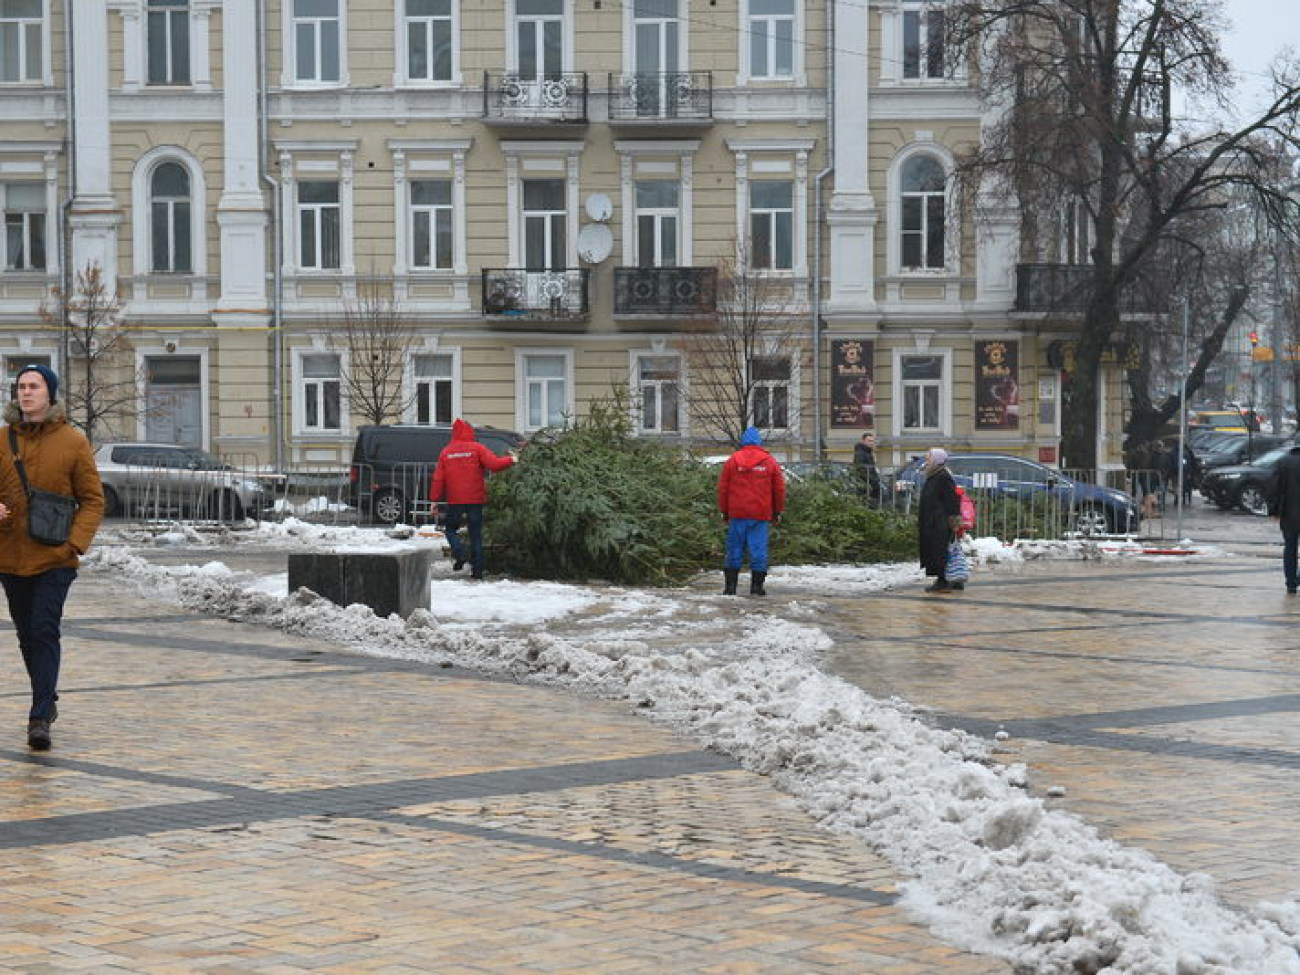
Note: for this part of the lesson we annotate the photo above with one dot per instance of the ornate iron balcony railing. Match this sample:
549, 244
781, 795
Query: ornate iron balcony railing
519, 293
1067, 288
662, 96
664, 290
558, 97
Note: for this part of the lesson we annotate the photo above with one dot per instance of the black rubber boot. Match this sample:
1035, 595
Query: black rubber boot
756, 580
732, 576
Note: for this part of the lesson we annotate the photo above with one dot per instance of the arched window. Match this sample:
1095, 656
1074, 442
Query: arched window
169, 219
924, 206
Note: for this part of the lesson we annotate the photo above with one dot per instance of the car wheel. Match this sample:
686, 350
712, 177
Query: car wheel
112, 503
1090, 519
389, 507
223, 506
1253, 500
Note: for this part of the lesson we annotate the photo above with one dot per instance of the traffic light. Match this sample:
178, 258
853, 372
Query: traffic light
1254, 339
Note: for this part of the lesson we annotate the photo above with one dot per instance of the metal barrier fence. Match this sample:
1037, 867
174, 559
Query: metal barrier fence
370, 495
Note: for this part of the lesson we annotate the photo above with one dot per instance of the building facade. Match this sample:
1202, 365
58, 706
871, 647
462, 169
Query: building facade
546, 190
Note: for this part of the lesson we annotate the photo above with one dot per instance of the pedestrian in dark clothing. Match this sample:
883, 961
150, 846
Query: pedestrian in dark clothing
751, 495
36, 576
1285, 507
864, 465
939, 519
1191, 472
461, 479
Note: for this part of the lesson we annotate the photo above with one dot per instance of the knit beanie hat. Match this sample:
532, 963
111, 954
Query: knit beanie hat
46, 373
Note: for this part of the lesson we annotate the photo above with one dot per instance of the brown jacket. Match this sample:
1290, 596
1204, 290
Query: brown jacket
58, 458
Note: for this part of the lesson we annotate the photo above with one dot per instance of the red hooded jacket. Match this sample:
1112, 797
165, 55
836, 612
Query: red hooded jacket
459, 477
751, 485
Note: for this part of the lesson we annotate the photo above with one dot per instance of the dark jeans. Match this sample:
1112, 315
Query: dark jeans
36, 608
473, 515
1290, 541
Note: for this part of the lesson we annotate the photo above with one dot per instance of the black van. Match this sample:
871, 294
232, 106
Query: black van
391, 466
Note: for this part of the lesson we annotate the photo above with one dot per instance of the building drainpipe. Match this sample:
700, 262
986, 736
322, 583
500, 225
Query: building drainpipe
65, 236
276, 409
819, 444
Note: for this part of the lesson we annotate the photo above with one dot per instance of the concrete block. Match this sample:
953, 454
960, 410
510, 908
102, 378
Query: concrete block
387, 582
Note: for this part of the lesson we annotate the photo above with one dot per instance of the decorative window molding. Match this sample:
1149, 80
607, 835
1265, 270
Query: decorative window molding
436, 160
771, 38
777, 160
319, 389
894, 249
135, 44
544, 388
428, 43
317, 162
922, 391
142, 244
25, 48
315, 36
541, 160
433, 384
658, 160
657, 378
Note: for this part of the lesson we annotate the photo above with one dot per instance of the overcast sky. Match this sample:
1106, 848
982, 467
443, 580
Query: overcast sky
1261, 28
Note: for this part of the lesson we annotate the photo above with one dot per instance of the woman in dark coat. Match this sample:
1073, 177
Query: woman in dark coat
939, 517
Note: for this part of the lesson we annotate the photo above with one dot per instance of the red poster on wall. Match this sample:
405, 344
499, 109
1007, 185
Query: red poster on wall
997, 385
853, 388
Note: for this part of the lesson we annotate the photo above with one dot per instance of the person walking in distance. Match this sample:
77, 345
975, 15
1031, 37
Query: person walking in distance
36, 575
751, 495
938, 518
864, 465
1285, 507
461, 480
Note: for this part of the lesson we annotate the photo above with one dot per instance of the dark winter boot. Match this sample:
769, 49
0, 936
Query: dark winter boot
732, 576
756, 580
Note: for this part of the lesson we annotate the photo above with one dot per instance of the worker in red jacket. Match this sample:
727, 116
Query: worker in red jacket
460, 479
751, 495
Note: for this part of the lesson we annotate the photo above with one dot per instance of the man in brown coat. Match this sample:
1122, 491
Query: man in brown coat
36, 576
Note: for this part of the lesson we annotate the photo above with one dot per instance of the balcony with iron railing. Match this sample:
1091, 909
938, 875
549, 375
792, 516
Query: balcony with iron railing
665, 290
512, 99
669, 96
554, 295
1068, 287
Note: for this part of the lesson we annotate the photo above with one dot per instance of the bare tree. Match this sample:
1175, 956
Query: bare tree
1087, 131
739, 357
99, 388
379, 337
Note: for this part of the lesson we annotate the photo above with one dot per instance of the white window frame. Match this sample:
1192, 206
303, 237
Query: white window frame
300, 393
22, 26
772, 217
27, 224
512, 35
187, 30
142, 210
944, 385
318, 212
632, 23
791, 386
402, 28
308, 161
523, 380
434, 215
952, 229
747, 27
541, 160
413, 383
923, 13
893, 25
290, 21
762, 159
658, 217
637, 385
658, 160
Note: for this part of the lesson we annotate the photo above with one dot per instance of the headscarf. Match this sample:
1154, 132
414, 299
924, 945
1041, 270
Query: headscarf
935, 458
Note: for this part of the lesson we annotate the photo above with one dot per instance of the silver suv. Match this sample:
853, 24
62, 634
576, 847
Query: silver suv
167, 480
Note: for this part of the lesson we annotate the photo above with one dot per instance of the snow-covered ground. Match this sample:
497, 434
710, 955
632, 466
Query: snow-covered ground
989, 867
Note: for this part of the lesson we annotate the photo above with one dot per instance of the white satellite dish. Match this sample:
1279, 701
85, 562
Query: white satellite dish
595, 242
599, 207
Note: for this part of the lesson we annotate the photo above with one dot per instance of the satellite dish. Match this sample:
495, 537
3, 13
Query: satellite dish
599, 207
595, 242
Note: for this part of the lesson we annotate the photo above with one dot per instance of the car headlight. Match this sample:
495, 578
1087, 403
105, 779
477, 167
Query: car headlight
1231, 477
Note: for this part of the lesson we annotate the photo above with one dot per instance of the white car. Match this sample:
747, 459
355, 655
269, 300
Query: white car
168, 480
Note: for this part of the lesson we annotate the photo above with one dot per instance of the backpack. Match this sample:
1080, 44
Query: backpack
967, 510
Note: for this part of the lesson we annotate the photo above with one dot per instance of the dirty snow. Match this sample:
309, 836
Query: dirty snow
989, 868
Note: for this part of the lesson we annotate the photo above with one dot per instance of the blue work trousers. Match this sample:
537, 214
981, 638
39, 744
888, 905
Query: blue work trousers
473, 516
747, 533
36, 608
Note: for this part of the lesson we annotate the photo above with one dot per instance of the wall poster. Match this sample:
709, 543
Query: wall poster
853, 388
997, 388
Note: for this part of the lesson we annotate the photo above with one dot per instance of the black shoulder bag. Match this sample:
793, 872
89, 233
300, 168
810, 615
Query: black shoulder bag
49, 515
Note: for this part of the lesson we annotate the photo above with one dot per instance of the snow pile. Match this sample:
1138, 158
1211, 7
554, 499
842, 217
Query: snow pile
991, 869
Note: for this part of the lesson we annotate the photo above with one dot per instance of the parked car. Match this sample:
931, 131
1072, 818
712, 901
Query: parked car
170, 480
1241, 449
1094, 509
1245, 486
391, 465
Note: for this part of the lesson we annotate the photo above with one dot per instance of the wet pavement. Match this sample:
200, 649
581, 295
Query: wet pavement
226, 798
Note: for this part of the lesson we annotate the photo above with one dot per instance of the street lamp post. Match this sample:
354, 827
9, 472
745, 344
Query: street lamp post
1182, 417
